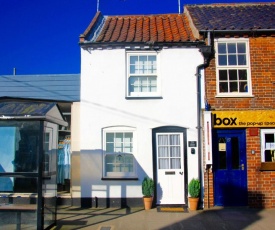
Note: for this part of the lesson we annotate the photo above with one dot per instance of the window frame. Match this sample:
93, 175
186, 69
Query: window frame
263, 144
119, 175
140, 94
236, 67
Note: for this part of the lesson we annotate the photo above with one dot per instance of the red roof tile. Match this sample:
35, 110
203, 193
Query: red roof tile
140, 28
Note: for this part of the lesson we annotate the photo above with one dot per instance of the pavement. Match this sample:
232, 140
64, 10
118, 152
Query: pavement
70, 217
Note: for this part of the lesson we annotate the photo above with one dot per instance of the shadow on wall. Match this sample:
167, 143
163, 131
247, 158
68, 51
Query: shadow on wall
96, 191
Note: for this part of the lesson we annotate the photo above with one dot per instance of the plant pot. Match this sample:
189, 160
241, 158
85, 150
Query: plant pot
193, 203
147, 202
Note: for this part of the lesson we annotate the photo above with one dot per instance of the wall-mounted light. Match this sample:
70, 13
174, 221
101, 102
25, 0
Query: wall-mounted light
253, 151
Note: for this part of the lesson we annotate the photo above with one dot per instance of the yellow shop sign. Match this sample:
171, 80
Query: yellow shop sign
237, 119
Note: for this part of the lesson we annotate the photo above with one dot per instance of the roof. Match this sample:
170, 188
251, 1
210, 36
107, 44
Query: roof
243, 16
138, 29
31, 110
57, 87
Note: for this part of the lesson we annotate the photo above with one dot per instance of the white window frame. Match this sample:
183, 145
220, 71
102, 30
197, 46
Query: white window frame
119, 129
237, 67
129, 75
267, 146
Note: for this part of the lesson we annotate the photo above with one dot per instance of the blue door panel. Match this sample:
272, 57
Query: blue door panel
229, 168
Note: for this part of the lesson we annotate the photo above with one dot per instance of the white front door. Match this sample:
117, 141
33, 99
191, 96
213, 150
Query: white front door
170, 168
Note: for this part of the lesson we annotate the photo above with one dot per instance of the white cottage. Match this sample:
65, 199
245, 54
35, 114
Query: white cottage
139, 108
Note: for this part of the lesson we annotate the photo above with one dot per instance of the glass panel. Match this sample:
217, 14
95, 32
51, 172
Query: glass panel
109, 147
163, 152
223, 75
243, 86
269, 138
235, 153
222, 48
175, 139
163, 139
164, 163
222, 160
232, 60
18, 146
152, 84
233, 75
134, 84
222, 153
233, 86
241, 48
231, 48
110, 137
152, 64
241, 59
223, 87
242, 74
134, 65
175, 151
222, 59
175, 163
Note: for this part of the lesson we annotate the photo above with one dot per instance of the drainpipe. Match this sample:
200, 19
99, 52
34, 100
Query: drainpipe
206, 51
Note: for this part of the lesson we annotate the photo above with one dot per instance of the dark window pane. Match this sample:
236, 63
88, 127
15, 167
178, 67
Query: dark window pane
233, 86
223, 75
231, 48
222, 160
267, 154
243, 86
235, 153
233, 75
222, 48
223, 87
269, 138
242, 74
222, 153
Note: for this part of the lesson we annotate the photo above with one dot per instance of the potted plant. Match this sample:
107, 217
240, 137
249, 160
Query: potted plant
148, 187
194, 192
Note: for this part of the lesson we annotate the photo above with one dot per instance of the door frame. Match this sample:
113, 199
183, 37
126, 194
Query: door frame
170, 129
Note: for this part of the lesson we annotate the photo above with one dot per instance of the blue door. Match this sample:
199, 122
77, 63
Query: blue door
229, 168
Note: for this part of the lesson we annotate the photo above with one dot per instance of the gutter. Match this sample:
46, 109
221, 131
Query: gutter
206, 51
236, 31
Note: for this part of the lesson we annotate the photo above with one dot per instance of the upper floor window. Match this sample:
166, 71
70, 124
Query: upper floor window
268, 145
142, 77
119, 160
233, 67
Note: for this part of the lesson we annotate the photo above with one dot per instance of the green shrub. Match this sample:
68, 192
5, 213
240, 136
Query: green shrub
194, 188
148, 186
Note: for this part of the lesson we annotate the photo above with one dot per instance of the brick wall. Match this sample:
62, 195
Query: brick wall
261, 184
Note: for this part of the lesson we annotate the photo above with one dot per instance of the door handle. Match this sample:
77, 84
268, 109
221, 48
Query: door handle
181, 173
242, 166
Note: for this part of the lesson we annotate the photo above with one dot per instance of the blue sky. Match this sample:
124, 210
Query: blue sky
41, 36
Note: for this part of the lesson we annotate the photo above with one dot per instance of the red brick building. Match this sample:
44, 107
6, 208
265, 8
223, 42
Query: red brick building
239, 126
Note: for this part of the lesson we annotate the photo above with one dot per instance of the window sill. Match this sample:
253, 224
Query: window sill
267, 166
234, 95
143, 98
115, 178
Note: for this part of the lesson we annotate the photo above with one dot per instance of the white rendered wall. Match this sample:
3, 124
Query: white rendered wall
103, 104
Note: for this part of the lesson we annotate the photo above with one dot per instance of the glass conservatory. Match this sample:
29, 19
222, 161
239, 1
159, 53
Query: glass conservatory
28, 163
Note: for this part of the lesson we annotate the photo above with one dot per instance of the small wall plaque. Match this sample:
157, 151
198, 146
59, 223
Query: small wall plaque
192, 144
